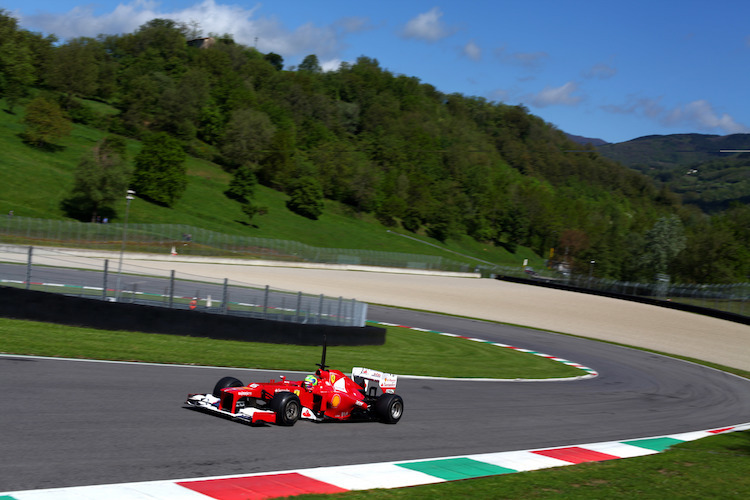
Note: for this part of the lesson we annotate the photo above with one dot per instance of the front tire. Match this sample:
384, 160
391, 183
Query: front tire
389, 408
287, 407
225, 383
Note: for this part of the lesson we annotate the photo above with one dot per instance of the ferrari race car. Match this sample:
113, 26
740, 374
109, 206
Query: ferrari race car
326, 395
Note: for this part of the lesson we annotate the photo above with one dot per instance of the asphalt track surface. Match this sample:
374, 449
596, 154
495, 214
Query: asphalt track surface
70, 423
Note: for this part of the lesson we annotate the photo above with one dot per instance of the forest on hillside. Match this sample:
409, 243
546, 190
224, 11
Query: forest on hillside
709, 171
390, 145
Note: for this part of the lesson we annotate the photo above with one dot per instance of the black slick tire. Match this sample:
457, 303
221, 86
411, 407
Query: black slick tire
224, 383
287, 407
389, 408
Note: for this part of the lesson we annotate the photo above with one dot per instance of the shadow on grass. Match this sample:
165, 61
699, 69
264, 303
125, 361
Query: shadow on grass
47, 147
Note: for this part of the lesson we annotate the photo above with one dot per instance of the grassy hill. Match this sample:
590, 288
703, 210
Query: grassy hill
36, 182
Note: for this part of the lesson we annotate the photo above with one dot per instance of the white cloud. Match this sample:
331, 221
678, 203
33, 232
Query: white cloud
531, 60
81, 21
472, 51
245, 24
703, 116
695, 115
642, 105
354, 24
427, 26
307, 39
331, 64
552, 96
502, 95
601, 71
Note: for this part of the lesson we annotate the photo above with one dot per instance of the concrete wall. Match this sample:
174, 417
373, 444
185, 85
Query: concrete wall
57, 308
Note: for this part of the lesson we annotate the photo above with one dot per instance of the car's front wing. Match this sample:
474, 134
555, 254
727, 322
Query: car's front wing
210, 403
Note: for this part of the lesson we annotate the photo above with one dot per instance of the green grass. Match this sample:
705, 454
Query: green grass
406, 352
35, 182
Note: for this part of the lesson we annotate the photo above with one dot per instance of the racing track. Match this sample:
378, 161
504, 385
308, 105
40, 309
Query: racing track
67, 423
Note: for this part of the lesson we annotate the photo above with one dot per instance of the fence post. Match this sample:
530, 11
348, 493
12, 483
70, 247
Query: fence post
265, 303
225, 297
363, 314
320, 310
171, 288
28, 268
299, 307
338, 314
104, 283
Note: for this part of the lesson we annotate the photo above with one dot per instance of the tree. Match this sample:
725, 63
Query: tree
210, 124
139, 100
242, 185
412, 220
664, 241
45, 122
101, 178
246, 137
180, 105
160, 44
276, 60
310, 64
713, 256
160, 174
75, 70
442, 223
718, 249
23, 58
306, 198
278, 166
572, 243
16, 73
251, 210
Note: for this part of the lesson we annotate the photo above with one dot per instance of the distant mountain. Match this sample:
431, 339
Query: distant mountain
705, 170
667, 151
586, 140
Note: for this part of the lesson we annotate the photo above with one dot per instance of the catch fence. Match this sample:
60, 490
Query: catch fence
97, 278
189, 240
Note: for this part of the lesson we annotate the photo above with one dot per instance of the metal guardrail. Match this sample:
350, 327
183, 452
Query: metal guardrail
58, 272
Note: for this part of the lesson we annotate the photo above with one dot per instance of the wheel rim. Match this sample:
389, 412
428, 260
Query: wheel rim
292, 411
396, 409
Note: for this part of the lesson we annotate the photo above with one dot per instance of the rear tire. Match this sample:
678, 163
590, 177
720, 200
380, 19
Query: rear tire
389, 408
225, 383
287, 407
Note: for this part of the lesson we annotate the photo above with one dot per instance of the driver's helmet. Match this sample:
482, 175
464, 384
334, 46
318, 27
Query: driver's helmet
311, 381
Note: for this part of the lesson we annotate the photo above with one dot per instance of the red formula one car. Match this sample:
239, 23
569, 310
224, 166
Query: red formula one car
326, 395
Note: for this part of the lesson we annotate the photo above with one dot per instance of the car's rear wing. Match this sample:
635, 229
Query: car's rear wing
385, 381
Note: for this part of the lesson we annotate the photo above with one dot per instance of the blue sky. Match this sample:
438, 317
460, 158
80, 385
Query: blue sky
609, 70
